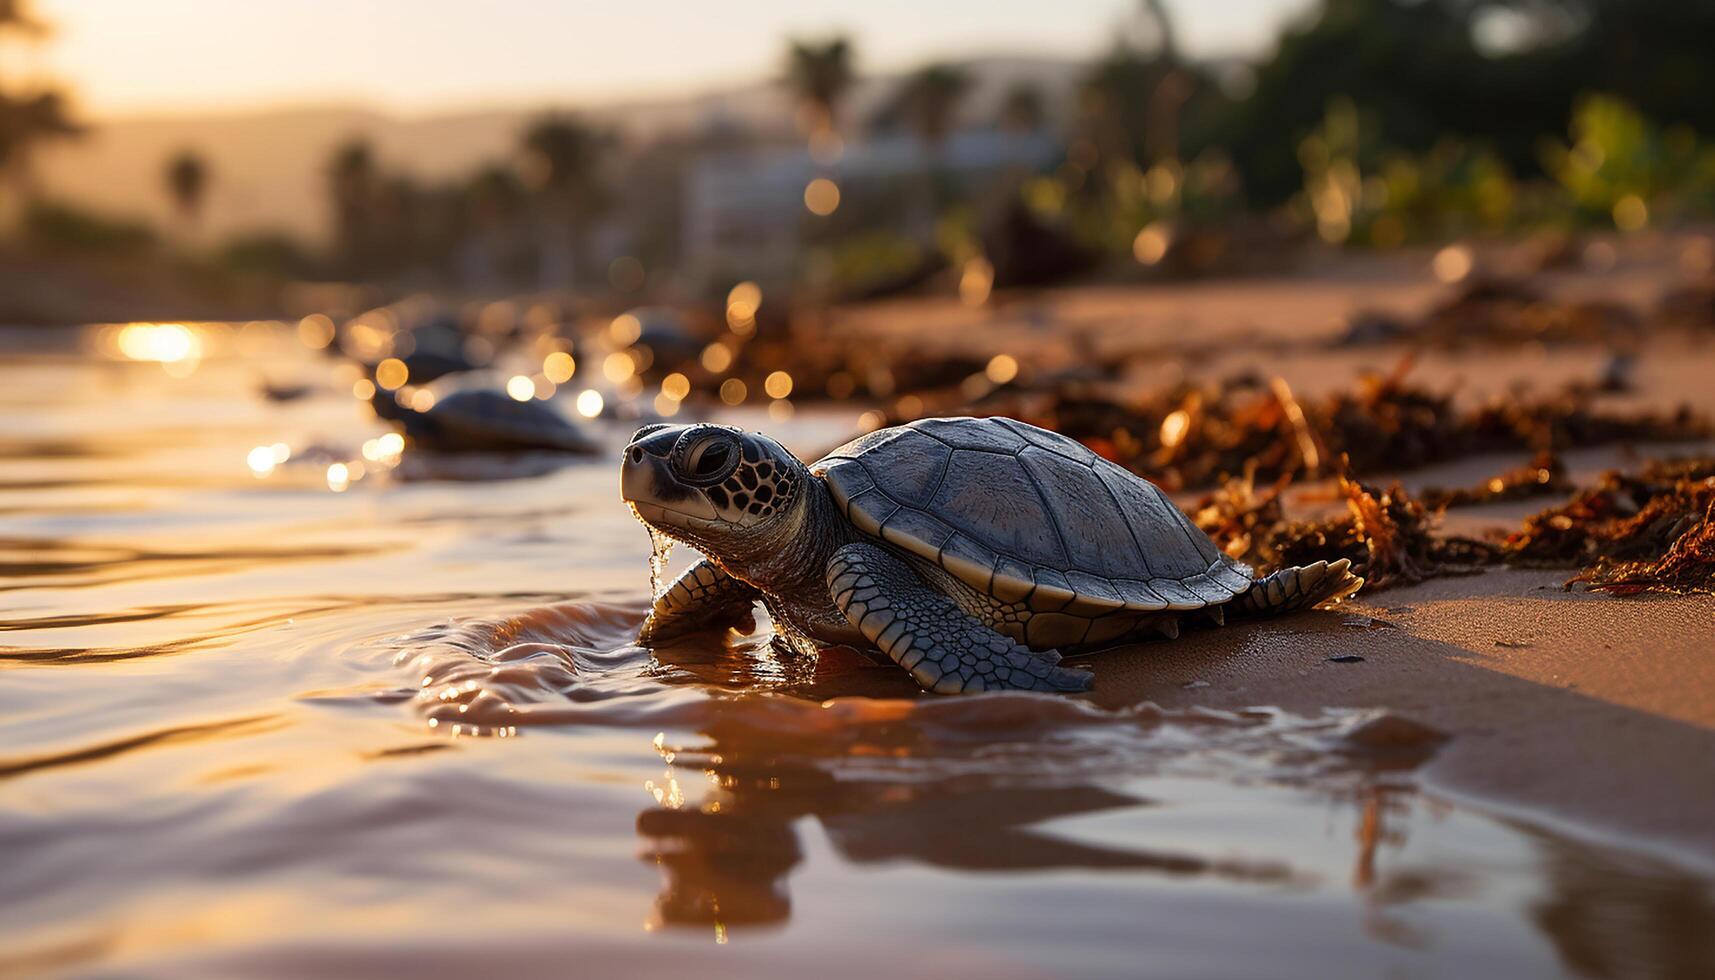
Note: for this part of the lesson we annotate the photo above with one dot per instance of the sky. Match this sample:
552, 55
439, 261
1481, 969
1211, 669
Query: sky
130, 57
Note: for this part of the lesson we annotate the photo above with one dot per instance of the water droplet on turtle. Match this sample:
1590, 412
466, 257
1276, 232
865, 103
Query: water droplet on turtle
662, 549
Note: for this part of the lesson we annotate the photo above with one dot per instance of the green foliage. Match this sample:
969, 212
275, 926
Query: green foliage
1620, 165
58, 227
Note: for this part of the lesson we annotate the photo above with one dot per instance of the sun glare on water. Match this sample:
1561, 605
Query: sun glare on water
174, 346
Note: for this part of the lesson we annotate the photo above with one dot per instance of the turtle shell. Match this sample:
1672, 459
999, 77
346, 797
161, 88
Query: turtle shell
1025, 514
483, 420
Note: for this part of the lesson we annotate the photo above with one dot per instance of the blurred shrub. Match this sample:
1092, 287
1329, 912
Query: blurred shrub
1621, 167
270, 255
1359, 192
58, 227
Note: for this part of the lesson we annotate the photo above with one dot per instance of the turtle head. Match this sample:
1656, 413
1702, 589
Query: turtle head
711, 486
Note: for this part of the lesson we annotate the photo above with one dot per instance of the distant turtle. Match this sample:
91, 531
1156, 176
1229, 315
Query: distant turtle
968, 551
481, 420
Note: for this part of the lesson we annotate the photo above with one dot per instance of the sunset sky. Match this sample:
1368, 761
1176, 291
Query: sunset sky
126, 57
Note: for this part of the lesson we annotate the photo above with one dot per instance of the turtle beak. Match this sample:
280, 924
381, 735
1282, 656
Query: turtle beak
646, 479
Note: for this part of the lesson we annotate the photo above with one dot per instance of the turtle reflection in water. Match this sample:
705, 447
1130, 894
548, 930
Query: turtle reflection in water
971, 552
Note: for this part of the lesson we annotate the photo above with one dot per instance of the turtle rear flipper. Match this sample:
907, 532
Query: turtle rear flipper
946, 649
1291, 589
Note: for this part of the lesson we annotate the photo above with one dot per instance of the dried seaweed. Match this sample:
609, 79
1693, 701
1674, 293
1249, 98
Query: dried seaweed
1497, 310
1543, 475
1199, 435
1387, 535
1687, 566
1624, 518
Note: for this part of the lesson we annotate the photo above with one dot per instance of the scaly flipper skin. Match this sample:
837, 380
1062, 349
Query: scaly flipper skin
945, 649
704, 598
1292, 589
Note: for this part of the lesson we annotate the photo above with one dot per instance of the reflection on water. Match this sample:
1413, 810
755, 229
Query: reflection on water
236, 739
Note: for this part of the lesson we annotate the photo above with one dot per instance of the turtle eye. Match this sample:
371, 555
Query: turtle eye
710, 459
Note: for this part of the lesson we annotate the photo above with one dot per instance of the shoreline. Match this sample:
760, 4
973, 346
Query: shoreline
1551, 720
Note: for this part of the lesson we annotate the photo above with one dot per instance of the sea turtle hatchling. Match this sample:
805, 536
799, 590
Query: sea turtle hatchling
971, 552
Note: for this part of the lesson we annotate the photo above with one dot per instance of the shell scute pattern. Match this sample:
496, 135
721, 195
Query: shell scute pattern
1031, 517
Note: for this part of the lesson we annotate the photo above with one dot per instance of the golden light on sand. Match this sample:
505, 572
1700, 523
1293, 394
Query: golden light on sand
1631, 213
909, 407
1175, 427
618, 366
172, 345
261, 461
676, 386
822, 197
520, 388
778, 384
559, 367
363, 389
871, 420
589, 403
624, 330
734, 391
315, 331
666, 404
339, 477
976, 281
779, 410
1453, 263
1151, 244
1001, 368
717, 358
392, 374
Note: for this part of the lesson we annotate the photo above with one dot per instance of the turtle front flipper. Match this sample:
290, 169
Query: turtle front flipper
947, 650
704, 598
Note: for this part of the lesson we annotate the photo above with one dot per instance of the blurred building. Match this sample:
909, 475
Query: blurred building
745, 212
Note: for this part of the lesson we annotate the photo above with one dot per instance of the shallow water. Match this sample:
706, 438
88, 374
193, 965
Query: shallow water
254, 726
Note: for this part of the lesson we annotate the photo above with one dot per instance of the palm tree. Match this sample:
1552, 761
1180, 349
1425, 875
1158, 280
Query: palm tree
353, 191
927, 102
28, 120
186, 177
820, 73
562, 158
1022, 110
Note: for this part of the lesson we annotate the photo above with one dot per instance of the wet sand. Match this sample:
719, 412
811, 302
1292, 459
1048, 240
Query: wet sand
1593, 709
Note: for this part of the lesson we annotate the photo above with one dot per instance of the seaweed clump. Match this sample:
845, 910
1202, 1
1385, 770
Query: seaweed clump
1644, 531
1199, 435
1388, 535
1544, 474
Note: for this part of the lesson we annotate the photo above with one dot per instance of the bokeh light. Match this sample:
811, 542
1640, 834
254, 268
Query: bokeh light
391, 374
559, 367
822, 197
589, 403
